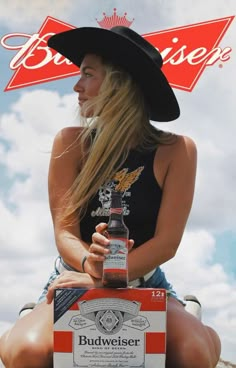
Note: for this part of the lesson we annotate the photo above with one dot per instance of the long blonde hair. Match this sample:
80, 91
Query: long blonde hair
120, 122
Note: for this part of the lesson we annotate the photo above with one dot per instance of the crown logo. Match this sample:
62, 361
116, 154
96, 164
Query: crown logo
114, 20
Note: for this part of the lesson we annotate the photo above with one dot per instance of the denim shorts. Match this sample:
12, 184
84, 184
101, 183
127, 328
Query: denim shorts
54, 274
52, 277
157, 280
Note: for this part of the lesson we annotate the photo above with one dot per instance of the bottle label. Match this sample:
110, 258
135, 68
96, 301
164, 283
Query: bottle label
117, 258
118, 211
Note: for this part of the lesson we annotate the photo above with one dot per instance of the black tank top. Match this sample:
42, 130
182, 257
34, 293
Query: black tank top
141, 199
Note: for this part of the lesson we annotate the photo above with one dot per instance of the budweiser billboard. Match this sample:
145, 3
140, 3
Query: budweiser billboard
186, 51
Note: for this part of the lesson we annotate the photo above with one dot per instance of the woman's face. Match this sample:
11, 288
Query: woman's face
92, 73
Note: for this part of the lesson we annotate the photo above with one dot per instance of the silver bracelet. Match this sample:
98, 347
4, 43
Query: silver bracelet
82, 263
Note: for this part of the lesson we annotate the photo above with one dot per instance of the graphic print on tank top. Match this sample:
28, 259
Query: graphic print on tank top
122, 181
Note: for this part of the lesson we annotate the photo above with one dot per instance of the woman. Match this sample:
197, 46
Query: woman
120, 89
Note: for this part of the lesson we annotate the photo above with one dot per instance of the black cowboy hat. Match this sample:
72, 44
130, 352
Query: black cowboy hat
126, 48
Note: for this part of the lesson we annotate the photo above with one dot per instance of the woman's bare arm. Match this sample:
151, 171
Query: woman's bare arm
177, 163
65, 164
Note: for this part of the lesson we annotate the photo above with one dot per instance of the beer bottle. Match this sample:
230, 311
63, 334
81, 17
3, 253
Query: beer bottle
115, 266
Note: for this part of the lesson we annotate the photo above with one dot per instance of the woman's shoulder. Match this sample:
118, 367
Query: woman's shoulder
67, 144
175, 159
182, 155
68, 135
179, 145
178, 155
185, 144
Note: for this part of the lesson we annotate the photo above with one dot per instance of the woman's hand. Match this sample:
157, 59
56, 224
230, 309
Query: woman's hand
70, 279
98, 251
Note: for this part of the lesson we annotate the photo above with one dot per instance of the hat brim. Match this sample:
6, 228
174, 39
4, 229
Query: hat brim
75, 44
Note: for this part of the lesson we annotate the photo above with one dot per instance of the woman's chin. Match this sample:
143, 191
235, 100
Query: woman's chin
85, 113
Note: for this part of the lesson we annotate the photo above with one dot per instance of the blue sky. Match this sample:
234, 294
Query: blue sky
30, 118
225, 251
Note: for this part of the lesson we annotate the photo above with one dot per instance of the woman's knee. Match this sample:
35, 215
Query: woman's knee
29, 353
214, 343
30, 341
189, 343
202, 347
192, 352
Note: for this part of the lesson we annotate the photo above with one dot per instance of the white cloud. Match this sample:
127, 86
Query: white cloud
181, 12
29, 130
26, 14
193, 271
34, 119
24, 282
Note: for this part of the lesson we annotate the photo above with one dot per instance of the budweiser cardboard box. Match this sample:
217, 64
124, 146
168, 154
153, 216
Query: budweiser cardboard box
109, 328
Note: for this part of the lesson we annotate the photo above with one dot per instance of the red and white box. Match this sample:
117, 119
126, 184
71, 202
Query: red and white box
109, 328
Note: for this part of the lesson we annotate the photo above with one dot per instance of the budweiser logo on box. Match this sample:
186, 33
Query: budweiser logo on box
109, 328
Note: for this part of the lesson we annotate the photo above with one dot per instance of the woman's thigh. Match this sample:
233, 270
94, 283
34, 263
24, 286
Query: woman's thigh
30, 339
188, 340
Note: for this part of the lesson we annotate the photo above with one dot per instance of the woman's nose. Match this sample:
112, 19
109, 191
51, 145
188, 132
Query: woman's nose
77, 87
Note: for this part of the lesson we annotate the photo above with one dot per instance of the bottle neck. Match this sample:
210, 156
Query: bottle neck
116, 214
116, 202
116, 210
116, 220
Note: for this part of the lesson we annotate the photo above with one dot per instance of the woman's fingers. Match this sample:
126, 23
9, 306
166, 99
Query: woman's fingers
98, 249
130, 244
101, 227
100, 243
98, 238
71, 279
62, 280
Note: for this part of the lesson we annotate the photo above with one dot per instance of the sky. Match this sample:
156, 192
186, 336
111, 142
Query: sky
30, 117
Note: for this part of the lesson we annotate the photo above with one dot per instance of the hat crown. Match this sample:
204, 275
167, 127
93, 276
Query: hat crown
140, 42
